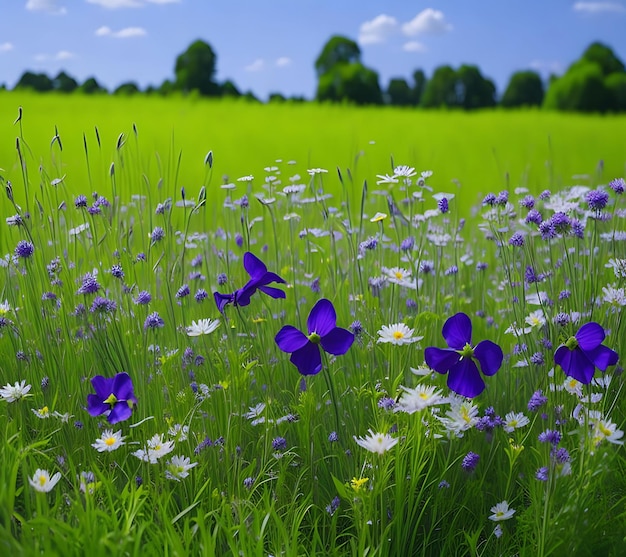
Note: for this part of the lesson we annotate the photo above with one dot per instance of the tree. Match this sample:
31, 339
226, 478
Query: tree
337, 50
350, 82
195, 69
39, 82
128, 88
582, 88
441, 89
276, 98
419, 84
64, 83
473, 90
525, 88
91, 86
399, 93
604, 57
229, 89
616, 84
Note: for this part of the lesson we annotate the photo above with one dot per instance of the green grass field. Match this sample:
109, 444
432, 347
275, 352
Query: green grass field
457, 386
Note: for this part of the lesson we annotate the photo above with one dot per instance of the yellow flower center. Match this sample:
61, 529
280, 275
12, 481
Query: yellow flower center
110, 441
399, 275
604, 430
111, 399
42, 480
398, 335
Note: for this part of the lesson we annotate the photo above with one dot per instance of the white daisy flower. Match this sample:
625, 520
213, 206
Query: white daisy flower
463, 415
614, 296
108, 441
536, 319
11, 393
398, 275
202, 327
178, 468
42, 481
179, 432
606, 430
376, 442
501, 511
41, 413
415, 400
515, 420
404, 171
618, 266
398, 334
156, 447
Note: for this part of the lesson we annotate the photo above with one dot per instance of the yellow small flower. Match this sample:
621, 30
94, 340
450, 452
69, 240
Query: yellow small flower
224, 384
358, 483
259, 320
42, 412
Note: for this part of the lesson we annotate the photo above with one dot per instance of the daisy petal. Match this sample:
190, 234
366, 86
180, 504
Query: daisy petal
322, 318
490, 356
441, 359
457, 331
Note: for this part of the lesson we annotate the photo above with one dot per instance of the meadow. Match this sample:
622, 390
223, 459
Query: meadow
235, 329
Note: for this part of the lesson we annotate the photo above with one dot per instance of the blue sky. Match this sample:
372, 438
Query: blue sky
271, 45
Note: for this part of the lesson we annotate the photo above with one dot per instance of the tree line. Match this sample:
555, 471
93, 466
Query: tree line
596, 82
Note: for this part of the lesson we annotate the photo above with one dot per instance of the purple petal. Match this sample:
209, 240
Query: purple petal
290, 339
490, 356
273, 292
441, 359
307, 359
465, 380
123, 387
338, 341
221, 300
243, 295
95, 406
253, 265
457, 331
272, 277
590, 336
103, 386
322, 318
121, 411
575, 364
602, 357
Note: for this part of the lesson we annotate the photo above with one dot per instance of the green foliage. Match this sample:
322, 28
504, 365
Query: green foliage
91, 86
605, 58
229, 89
128, 88
473, 90
39, 82
399, 93
581, 89
195, 69
616, 84
525, 88
419, 85
350, 82
441, 89
337, 50
64, 83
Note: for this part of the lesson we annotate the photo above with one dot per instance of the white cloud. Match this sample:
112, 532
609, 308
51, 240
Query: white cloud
63, 55
547, 67
50, 6
126, 33
256, 66
414, 46
6, 47
427, 22
598, 7
283, 61
378, 29
115, 4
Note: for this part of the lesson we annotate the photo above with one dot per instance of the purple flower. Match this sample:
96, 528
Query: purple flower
153, 321
304, 350
143, 298
114, 397
80, 201
584, 352
542, 474
117, 271
537, 400
597, 199
90, 285
618, 185
470, 461
551, 436
443, 205
157, 234
517, 239
24, 249
183, 291
102, 305
463, 376
260, 277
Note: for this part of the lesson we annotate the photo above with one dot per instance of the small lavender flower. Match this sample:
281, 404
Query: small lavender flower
542, 474
410, 303
533, 216
452, 270
333, 437
470, 461
443, 484
222, 279
117, 271
597, 199
517, 239
537, 359
248, 482
618, 185
78, 424
200, 295
102, 305
578, 229
89, 285
547, 230
356, 327
369, 244
387, 403
502, 199
537, 400
203, 445
197, 261
94, 210
238, 240
279, 444
561, 319
530, 276
407, 244
143, 298
183, 291
140, 256
24, 249
333, 506
560, 455
157, 234
489, 199
544, 195
80, 202
564, 294
315, 285
481, 266
443, 205
426, 267
561, 222
528, 202
153, 321
138, 481
551, 436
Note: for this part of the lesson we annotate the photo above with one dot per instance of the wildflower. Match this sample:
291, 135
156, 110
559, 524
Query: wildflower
89, 285
156, 447
604, 429
178, 467
597, 199
321, 325
80, 201
88, 482
114, 397
153, 321
470, 461
536, 318
260, 278
397, 275
551, 436
279, 443
143, 298
42, 481
618, 185
514, 420
202, 327
102, 305
358, 483
376, 442
542, 474
398, 334
333, 437
404, 171
11, 393
501, 511
415, 400
614, 296
108, 441
333, 506
461, 416
463, 375
583, 352
157, 234
200, 295
117, 271
42, 413
618, 266
183, 291
24, 249
248, 482
517, 239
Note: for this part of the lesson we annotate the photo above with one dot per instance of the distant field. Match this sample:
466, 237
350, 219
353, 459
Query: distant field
535, 149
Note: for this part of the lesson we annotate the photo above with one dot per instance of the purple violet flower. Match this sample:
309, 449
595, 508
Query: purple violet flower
114, 397
584, 352
304, 350
260, 277
458, 360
